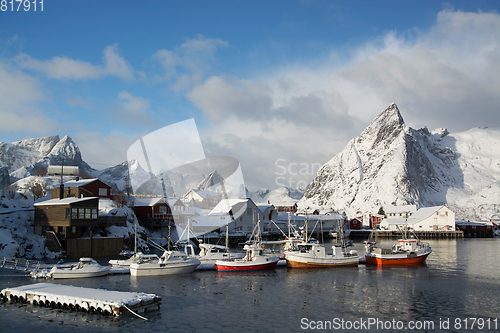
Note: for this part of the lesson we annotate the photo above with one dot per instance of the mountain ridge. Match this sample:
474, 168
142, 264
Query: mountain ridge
391, 163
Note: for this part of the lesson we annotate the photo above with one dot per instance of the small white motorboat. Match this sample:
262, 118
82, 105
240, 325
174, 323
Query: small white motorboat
171, 262
85, 268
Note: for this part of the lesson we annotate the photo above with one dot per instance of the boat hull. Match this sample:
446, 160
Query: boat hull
256, 264
74, 274
396, 260
250, 267
299, 264
162, 269
294, 261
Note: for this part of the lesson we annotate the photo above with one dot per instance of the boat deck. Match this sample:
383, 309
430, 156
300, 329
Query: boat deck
82, 299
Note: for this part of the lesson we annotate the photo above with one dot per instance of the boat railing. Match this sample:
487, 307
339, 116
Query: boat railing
22, 264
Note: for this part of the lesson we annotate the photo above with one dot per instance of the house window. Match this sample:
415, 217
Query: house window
67, 213
81, 213
74, 213
163, 210
103, 192
41, 213
88, 213
73, 230
94, 213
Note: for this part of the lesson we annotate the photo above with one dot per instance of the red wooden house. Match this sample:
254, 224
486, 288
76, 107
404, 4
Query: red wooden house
152, 212
83, 188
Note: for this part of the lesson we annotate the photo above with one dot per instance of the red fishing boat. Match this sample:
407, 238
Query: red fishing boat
407, 251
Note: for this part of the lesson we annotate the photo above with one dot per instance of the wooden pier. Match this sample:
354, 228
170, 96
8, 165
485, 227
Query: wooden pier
90, 300
432, 234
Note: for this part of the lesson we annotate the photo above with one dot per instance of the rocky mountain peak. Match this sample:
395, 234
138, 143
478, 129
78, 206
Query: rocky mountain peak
214, 178
391, 163
22, 158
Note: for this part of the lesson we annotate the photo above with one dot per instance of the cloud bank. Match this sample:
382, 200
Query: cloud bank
444, 77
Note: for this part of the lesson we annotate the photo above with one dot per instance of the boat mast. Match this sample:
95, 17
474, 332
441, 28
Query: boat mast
135, 237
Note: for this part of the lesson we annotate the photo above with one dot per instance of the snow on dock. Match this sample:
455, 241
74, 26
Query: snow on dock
82, 299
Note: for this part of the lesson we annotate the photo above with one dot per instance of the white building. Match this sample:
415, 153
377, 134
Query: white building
400, 211
424, 219
201, 198
239, 214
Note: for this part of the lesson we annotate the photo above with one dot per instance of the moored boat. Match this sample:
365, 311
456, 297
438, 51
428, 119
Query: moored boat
171, 262
136, 257
85, 268
407, 251
313, 255
253, 260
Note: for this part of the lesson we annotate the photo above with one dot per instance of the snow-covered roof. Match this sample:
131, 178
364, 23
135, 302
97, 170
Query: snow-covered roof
201, 193
418, 216
263, 207
173, 201
150, 202
78, 183
400, 209
224, 206
65, 201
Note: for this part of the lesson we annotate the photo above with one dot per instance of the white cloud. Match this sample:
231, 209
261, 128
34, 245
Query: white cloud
19, 96
64, 68
186, 65
103, 151
78, 101
115, 64
131, 109
444, 77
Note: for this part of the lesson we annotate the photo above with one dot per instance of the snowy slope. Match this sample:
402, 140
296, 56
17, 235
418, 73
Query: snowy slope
279, 196
22, 158
391, 163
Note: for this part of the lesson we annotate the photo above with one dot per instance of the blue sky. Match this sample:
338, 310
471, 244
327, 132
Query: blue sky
273, 83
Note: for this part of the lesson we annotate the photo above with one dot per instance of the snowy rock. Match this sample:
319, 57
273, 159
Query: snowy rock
391, 163
23, 158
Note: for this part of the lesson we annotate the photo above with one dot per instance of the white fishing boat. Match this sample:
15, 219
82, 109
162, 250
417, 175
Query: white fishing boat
171, 262
254, 259
134, 258
85, 268
210, 253
312, 254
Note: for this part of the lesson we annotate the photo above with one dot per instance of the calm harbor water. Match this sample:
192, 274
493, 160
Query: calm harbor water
460, 281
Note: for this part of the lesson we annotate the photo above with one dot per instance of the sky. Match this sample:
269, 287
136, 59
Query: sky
282, 86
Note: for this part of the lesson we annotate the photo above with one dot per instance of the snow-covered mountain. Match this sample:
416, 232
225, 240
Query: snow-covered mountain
211, 180
22, 158
391, 163
282, 195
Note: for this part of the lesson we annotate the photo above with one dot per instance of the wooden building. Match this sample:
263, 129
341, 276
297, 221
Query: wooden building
152, 212
83, 188
356, 223
59, 220
476, 229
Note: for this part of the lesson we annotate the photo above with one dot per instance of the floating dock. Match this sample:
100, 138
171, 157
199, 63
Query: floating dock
90, 300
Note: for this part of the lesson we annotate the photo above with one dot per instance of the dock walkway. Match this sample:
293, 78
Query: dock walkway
82, 299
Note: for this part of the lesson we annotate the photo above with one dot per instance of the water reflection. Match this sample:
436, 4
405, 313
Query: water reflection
460, 279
